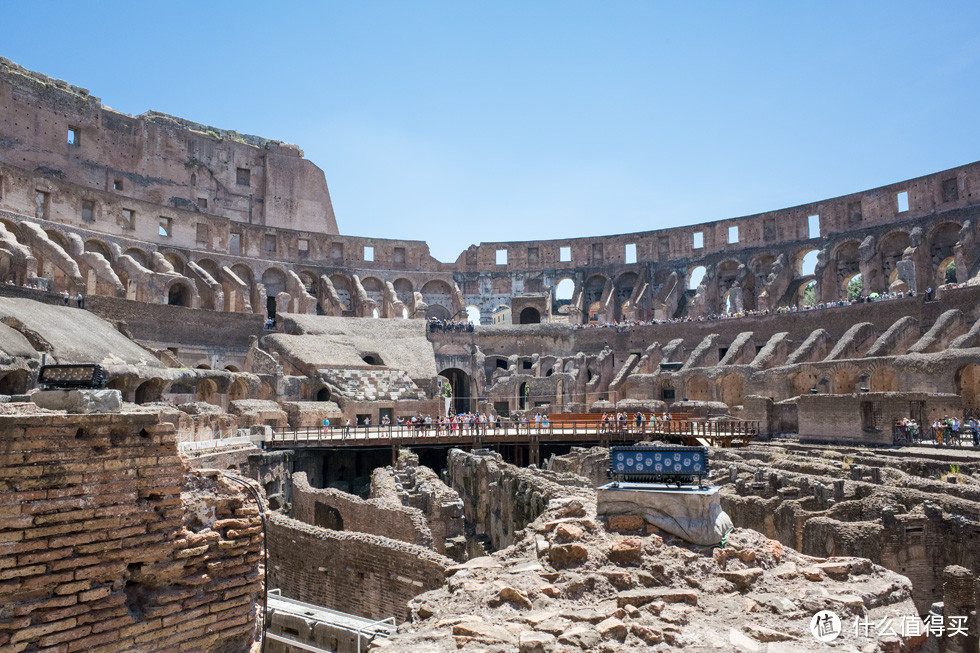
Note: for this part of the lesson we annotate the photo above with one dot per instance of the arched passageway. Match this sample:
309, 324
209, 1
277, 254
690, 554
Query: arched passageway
460, 383
530, 315
179, 295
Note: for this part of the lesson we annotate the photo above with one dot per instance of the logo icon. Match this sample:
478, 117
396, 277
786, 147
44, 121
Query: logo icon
825, 626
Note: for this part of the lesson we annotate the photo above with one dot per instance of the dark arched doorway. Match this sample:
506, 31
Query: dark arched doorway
438, 311
149, 391
179, 295
14, 383
530, 315
460, 382
524, 397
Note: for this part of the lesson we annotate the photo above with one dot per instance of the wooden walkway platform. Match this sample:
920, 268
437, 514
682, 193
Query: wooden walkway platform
723, 433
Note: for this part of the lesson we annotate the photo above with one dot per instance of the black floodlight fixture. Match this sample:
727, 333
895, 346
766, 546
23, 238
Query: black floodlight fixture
68, 377
645, 464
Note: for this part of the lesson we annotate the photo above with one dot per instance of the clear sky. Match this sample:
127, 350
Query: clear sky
460, 122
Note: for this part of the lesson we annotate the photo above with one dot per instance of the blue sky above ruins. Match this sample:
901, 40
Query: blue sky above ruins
456, 123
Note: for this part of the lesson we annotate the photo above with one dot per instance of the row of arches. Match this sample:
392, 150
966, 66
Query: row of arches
70, 260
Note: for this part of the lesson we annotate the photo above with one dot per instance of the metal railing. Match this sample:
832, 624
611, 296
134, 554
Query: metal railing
360, 627
724, 432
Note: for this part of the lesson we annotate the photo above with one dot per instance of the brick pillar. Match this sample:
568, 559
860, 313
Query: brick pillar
959, 600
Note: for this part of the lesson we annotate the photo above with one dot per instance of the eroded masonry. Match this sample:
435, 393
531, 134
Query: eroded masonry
265, 363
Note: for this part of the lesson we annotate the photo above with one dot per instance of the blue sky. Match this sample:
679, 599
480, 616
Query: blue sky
462, 122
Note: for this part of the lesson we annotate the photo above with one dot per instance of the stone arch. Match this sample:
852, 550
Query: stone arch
58, 279
180, 294
58, 238
97, 246
942, 243
805, 262
883, 378
149, 391
564, 290
460, 383
473, 314
438, 312
732, 389
804, 381
12, 227
891, 248
846, 262
101, 286
266, 391
844, 380
344, 287
139, 256
761, 265
206, 291
847, 291
177, 261
374, 289
966, 380
207, 391
694, 277
438, 295
309, 281
726, 274
946, 271
524, 396
801, 294
696, 388
624, 286
247, 277
327, 517
232, 368
13, 383
405, 292
274, 281
210, 267
530, 315
592, 295
323, 394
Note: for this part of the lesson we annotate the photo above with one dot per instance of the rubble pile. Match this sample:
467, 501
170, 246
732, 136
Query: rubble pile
573, 582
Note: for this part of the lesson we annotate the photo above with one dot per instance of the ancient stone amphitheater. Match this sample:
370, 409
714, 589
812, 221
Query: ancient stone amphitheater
204, 271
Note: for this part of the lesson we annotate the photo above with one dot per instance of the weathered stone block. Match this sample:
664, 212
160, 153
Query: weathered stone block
79, 401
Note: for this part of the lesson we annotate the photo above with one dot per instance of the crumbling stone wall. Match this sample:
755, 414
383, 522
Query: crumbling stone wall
340, 511
592, 463
367, 575
417, 486
108, 542
500, 499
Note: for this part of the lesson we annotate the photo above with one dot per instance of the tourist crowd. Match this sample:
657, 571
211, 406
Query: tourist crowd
623, 325
946, 432
435, 324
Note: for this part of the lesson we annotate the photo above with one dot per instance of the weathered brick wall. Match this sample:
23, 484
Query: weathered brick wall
374, 516
108, 542
359, 573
